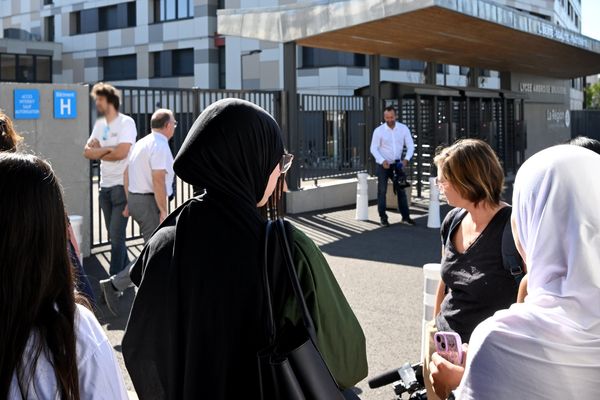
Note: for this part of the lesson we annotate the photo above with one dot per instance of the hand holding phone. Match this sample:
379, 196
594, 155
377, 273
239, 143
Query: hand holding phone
449, 346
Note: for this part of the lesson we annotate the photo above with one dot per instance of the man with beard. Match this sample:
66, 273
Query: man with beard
110, 142
387, 146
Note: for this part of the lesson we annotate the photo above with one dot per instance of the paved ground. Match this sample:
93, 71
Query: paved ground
379, 270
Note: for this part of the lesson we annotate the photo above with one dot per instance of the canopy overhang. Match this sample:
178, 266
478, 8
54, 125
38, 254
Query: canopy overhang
474, 33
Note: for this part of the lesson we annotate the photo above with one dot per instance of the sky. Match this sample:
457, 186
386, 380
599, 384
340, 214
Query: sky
590, 18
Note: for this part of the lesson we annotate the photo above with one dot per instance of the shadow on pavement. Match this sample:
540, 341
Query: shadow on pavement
399, 244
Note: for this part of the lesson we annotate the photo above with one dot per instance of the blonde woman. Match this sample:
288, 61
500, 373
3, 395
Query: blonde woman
474, 282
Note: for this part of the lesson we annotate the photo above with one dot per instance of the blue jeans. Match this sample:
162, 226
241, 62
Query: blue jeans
112, 203
382, 184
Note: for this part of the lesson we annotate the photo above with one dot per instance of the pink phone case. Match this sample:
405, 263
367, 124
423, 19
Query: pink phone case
449, 346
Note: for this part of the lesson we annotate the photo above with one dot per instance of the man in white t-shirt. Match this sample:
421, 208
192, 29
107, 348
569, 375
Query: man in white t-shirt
110, 142
148, 182
389, 140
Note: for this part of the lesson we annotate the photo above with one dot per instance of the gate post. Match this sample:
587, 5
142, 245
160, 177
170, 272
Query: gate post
375, 109
291, 110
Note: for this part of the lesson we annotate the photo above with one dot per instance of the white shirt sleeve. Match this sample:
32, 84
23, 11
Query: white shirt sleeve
100, 377
128, 133
379, 159
99, 373
409, 143
158, 159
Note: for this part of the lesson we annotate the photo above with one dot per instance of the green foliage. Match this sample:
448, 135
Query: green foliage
592, 96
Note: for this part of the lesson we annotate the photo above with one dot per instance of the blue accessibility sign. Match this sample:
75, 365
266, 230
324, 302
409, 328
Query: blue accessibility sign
27, 103
65, 104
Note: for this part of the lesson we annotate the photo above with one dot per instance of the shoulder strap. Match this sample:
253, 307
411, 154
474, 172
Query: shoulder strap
459, 214
267, 287
282, 235
280, 245
511, 259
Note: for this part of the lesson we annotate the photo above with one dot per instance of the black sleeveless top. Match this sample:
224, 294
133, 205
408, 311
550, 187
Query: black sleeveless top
477, 282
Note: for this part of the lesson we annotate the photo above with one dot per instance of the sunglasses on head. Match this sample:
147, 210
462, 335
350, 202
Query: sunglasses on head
105, 132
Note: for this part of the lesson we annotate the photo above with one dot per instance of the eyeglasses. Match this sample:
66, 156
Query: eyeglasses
175, 123
286, 163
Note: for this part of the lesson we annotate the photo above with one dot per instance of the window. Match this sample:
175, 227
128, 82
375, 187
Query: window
170, 63
25, 68
576, 21
49, 28
16, 33
46, 2
389, 63
118, 68
183, 62
169, 10
43, 69
316, 58
412, 65
222, 69
8, 67
118, 16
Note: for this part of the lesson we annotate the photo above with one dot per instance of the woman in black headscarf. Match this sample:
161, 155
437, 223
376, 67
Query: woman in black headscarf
196, 324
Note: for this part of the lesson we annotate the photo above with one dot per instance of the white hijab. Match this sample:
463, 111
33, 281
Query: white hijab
548, 347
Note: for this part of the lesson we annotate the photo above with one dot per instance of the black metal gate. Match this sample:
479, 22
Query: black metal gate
186, 104
332, 136
438, 116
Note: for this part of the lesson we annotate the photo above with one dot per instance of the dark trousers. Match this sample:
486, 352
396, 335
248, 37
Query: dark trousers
382, 184
112, 203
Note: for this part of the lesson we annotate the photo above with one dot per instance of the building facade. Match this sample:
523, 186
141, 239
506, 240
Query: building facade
175, 43
167, 43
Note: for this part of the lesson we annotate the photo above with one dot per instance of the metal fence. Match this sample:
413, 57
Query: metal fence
436, 121
332, 136
186, 104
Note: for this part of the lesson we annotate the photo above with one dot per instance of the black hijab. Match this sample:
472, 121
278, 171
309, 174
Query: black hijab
196, 323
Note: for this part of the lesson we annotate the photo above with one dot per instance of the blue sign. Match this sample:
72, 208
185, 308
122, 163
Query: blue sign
65, 104
27, 103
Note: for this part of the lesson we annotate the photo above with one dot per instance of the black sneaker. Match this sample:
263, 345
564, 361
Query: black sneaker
409, 221
384, 223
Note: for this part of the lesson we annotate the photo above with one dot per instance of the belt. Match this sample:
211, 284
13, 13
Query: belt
143, 194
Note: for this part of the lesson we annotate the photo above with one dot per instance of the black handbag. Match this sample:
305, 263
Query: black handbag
291, 367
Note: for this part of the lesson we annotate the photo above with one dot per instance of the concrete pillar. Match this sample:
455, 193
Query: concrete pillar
290, 111
431, 73
473, 77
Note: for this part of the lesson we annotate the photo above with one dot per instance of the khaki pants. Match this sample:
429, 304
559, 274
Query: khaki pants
431, 330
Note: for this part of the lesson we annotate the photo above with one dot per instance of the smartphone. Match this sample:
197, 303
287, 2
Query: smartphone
449, 346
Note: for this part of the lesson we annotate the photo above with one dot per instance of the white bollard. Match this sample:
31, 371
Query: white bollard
362, 197
77, 224
431, 278
433, 217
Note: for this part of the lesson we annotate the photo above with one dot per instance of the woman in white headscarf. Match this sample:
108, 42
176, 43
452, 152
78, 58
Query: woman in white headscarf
549, 346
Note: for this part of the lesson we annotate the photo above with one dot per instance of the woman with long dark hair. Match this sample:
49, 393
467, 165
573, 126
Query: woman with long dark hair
51, 346
197, 322
10, 141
